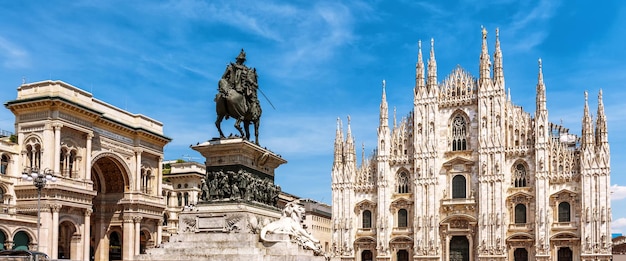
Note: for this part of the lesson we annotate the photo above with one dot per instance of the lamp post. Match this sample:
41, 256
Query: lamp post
39, 180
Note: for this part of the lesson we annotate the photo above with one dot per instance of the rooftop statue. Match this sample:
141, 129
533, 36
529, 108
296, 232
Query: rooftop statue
237, 98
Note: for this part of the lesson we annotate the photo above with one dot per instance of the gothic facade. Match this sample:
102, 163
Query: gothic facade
468, 175
106, 202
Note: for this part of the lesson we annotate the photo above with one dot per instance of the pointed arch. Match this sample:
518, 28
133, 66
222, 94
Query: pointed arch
459, 131
519, 174
403, 181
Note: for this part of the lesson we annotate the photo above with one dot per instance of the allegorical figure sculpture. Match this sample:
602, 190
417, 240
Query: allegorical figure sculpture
237, 98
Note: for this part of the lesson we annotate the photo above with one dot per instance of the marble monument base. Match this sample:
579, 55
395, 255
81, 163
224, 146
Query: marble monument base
228, 231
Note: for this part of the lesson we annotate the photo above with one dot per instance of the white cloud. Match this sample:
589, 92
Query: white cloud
618, 225
618, 192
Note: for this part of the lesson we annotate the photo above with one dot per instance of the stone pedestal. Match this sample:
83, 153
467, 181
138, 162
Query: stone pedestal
236, 153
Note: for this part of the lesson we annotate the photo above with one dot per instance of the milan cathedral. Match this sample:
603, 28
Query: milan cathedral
468, 175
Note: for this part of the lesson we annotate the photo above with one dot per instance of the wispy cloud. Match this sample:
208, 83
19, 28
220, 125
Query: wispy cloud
13, 56
618, 225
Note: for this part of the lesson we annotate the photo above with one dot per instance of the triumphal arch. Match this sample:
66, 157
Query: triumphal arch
106, 203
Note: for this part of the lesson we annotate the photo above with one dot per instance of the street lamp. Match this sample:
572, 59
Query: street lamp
39, 180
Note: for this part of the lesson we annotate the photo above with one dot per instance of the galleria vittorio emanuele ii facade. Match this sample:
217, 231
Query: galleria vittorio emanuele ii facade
468, 175
107, 165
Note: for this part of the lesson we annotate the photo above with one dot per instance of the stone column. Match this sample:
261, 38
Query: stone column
138, 152
128, 246
57, 152
55, 230
86, 235
88, 157
159, 232
137, 220
45, 235
159, 177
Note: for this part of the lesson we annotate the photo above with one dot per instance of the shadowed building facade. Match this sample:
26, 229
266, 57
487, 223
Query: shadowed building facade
468, 175
106, 203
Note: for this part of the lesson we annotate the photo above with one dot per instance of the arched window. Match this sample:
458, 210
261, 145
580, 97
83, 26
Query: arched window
459, 133
4, 164
458, 187
66, 162
367, 219
33, 154
180, 199
146, 175
165, 219
186, 199
402, 218
564, 212
520, 214
519, 177
403, 182
2, 196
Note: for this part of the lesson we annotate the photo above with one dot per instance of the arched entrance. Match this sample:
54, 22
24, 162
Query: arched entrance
21, 240
67, 232
110, 181
367, 255
564, 254
115, 246
459, 249
144, 241
520, 254
402, 255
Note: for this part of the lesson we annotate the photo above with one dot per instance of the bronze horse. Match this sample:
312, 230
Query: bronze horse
230, 103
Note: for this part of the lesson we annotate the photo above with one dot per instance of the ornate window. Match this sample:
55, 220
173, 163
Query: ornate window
519, 176
564, 212
33, 153
2, 195
146, 178
458, 187
459, 133
180, 199
403, 182
186, 199
67, 161
520, 214
402, 218
367, 219
4, 164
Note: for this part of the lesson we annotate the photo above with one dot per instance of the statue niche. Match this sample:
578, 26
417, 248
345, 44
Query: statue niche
237, 98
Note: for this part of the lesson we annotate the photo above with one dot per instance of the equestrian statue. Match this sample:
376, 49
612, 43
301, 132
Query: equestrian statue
237, 98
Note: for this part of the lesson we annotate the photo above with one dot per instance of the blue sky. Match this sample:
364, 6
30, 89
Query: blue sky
316, 60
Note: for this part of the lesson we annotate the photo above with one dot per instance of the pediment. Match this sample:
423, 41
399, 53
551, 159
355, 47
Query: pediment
459, 163
564, 193
363, 205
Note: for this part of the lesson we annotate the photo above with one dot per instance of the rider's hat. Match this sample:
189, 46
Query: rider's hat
242, 55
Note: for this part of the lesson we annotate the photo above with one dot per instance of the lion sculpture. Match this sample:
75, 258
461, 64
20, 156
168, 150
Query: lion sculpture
290, 224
